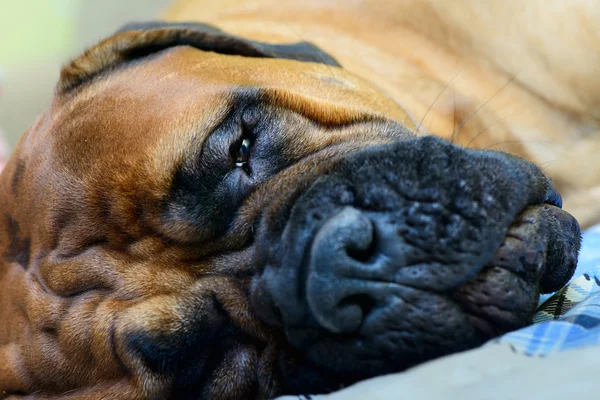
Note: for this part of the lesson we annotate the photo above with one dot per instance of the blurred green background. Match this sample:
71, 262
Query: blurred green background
38, 36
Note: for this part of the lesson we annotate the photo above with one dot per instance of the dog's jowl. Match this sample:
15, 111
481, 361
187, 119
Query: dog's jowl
197, 215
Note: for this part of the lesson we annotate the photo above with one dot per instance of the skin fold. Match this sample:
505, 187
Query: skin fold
198, 215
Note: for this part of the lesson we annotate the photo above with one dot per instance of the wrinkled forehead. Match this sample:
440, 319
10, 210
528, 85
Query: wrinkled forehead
184, 78
210, 73
159, 108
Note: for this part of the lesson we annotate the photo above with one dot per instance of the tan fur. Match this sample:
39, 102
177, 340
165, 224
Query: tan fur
528, 71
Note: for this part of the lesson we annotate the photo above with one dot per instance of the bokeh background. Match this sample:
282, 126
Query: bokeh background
38, 36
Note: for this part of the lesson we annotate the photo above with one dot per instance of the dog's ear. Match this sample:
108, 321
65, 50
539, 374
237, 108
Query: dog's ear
138, 40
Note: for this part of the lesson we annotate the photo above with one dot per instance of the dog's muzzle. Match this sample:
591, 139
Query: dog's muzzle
408, 251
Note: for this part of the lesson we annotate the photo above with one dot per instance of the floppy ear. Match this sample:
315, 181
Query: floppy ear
139, 40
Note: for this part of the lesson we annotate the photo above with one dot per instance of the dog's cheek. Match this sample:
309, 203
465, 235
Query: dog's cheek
168, 333
65, 342
196, 341
235, 377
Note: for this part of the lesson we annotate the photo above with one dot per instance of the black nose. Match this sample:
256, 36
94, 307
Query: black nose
343, 257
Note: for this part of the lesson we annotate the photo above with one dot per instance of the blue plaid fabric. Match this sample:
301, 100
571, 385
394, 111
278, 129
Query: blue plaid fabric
571, 317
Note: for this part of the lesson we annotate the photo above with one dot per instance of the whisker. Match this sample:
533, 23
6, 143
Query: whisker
453, 106
547, 143
486, 129
431, 121
481, 106
434, 101
546, 164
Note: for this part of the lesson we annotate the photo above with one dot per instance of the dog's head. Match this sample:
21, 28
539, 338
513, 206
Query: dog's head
198, 215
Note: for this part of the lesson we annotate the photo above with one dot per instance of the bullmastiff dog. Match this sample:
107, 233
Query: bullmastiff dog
199, 215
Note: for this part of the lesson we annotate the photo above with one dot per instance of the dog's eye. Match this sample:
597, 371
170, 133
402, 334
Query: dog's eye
241, 156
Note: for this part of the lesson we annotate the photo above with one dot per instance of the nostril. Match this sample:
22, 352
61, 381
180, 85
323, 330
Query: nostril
360, 253
362, 256
363, 302
360, 247
336, 293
